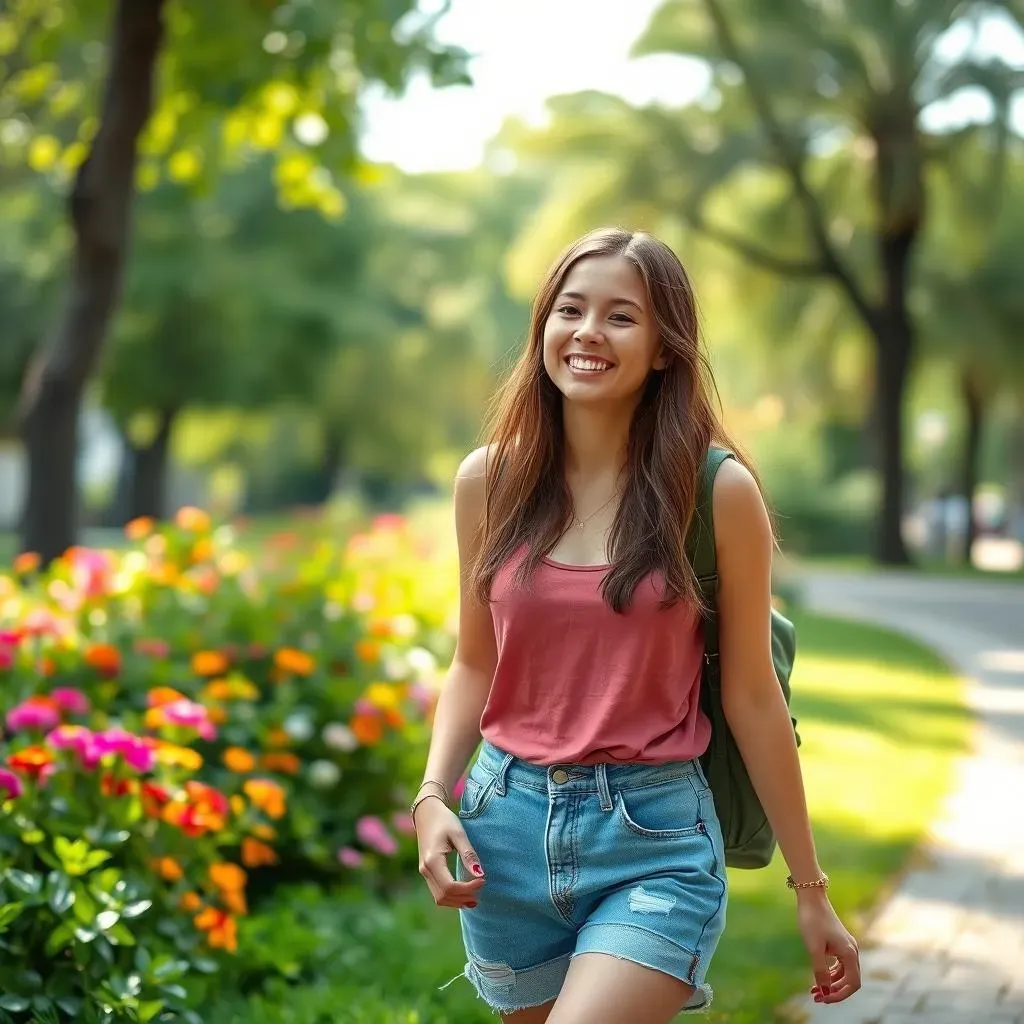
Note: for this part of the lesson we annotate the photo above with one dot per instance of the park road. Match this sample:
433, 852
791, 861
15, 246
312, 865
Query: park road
948, 946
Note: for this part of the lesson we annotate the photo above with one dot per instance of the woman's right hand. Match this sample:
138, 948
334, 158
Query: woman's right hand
439, 832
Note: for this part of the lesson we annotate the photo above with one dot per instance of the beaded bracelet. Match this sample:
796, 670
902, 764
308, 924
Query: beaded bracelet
821, 883
421, 796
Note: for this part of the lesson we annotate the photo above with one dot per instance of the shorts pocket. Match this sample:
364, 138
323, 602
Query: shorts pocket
480, 786
668, 811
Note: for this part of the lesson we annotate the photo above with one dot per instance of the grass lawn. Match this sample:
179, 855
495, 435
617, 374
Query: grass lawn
882, 721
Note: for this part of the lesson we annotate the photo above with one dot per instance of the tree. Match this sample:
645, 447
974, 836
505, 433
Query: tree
814, 117
247, 70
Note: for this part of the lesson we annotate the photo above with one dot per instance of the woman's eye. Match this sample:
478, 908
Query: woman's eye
621, 318
568, 310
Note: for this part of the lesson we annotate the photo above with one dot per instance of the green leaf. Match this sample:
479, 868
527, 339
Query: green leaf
204, 965
96, 858
61, 896
25, 881
70, 1005
176, 991
33, 837
85, 906
84, 934
120, 935
15, 1004
8, 912
106, 919
148, 1010
137, 908
59, 938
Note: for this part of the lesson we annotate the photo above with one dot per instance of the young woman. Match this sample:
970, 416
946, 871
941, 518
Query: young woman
590, 870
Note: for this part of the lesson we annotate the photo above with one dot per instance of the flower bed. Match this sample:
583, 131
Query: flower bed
185, 726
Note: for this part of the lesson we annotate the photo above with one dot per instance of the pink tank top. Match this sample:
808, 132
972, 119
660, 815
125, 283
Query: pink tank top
578, 683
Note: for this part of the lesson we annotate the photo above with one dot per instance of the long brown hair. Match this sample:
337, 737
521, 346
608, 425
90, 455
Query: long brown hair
527, 498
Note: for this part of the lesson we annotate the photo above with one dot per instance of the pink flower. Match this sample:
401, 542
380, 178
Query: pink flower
459, 787
137, 751
372, 832
68, 699
153, 646
78, 739
364, 707
91, 571
348, 857
191, 716
35, 713
403, 823
10, 784
8, 646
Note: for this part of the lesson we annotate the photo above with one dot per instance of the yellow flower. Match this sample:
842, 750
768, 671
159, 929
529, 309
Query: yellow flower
383, 696
267, 796
172, 755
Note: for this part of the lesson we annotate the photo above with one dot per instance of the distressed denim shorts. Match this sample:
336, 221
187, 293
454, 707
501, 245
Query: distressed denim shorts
624, 859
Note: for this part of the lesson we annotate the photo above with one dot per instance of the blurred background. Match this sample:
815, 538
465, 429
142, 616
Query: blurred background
322, 280
263, 264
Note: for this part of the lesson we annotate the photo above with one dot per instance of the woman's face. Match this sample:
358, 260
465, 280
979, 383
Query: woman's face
600, 339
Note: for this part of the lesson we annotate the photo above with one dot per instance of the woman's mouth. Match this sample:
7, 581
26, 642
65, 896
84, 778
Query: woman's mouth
589, 365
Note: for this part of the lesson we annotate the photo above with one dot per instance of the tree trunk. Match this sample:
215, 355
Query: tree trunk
100, 212
330, 464
974, 413
147, 485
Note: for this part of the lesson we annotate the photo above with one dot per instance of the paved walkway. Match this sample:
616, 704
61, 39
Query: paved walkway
948, 947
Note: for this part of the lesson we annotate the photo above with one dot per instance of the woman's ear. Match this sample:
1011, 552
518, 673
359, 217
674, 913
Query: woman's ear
661, 359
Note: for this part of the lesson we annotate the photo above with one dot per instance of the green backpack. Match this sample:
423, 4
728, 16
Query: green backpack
749, 839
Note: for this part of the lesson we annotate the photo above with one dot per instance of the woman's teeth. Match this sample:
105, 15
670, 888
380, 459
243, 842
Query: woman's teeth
588, 365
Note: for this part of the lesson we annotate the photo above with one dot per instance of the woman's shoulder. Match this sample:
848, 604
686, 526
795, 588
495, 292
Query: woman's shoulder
474, 466
738, 506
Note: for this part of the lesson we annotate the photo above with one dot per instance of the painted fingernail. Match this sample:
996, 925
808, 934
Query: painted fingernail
476, 869
470, 905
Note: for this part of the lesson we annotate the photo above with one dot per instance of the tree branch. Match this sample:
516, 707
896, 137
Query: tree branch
785, 266
792, 162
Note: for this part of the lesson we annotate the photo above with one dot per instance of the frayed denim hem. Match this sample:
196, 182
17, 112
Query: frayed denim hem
506, 990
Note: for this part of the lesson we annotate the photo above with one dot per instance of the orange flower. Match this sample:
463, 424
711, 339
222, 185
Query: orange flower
227, 876
190, 902
173, 756
255, 854
139, 528
110, 785
281, 761
220, 927
367, 650
161, 695
394, 718
234, 900
26, 562
165, 572
367, 729
380, 628
105, 658
294, 662
217, 715
195, 520
47, 666
155, 718
238, 760
209, 663
218, 689
267, 796
154, 797
168, 869
33, 761
278, 738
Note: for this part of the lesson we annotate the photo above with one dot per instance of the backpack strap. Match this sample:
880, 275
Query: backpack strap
701, 547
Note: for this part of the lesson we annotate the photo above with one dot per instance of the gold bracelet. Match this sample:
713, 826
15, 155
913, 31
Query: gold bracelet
419, 800
821, 883
436, 782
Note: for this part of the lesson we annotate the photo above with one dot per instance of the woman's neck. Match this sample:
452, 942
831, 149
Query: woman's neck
596, 442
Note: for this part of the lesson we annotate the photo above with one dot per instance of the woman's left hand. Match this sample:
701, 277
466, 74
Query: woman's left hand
835, 955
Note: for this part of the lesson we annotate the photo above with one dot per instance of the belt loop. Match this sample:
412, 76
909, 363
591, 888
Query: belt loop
601, 773
503, 772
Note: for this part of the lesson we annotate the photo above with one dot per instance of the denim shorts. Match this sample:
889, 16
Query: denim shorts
623, 859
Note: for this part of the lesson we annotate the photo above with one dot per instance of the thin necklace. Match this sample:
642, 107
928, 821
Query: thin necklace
586, 519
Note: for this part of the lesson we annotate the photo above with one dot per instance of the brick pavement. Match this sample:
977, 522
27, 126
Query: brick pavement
948, 946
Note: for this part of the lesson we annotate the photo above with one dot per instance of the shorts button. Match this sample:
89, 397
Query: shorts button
559, 776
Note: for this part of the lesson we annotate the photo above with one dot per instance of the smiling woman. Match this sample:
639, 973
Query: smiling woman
591, 871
